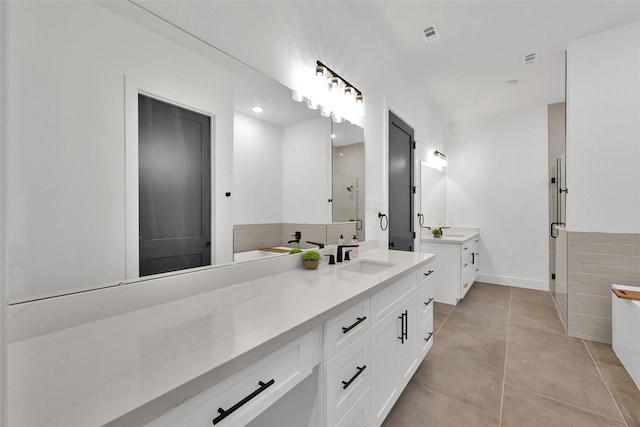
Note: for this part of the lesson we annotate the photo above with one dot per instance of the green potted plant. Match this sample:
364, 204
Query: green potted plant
295, 251
311, 259
437, 233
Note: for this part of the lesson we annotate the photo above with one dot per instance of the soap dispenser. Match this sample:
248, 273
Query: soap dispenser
354, 251
341, 240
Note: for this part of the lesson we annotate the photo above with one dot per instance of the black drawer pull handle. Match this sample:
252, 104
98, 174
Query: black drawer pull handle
429, 337
428, 273
358, 321
428, 302
465, 265
465, 285
346, 384
224, 414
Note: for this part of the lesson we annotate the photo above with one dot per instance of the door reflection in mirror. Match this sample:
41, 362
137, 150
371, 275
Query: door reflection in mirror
174, 155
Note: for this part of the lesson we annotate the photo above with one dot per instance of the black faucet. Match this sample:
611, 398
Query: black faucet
320, 245
340, 251
297, 236
440, 228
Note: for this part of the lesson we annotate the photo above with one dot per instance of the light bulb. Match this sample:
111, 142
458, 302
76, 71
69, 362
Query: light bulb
296, 96
258, 109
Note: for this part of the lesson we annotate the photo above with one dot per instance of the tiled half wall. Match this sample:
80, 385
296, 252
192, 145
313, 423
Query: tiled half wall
595, 262
248, 237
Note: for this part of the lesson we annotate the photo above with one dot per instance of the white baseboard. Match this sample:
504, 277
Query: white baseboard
517, 282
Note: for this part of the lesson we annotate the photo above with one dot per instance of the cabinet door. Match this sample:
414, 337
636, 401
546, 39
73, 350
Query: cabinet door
407, 348
384, 390
394, 357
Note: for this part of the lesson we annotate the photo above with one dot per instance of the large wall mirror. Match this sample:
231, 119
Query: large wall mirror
72, 183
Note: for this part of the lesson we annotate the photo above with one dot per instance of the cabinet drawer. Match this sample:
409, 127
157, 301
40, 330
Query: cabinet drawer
425, 301
384, 302
347, 378
247, 393
359, 414
343, 329
426, 273
426, 335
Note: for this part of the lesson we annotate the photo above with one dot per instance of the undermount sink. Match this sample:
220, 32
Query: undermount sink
454, 235
368, 267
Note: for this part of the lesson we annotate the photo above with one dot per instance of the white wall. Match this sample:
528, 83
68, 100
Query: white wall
66, 151
257, 171
497, 180
603, 132
306, 172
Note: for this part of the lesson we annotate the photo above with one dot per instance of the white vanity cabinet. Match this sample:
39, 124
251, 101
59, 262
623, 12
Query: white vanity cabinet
457, 263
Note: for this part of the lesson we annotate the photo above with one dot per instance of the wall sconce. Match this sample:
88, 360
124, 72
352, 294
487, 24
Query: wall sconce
439, 160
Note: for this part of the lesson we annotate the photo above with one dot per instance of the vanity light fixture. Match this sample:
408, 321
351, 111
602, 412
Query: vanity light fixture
258, 109
439, 160
336, 81
311, 104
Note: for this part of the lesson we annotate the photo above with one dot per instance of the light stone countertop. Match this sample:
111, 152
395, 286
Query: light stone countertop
450, 235
131, 368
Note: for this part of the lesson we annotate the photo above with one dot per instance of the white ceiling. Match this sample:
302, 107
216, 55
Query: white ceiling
377, 45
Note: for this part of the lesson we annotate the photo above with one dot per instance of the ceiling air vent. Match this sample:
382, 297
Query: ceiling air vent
530, 58
430, 33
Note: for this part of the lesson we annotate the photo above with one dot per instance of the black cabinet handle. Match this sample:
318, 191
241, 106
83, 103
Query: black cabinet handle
358, 321
429, 337
403, 326
427, 274
465, 285
428, 302
473, 258
224, 414
465, 265
346, 384
406, 324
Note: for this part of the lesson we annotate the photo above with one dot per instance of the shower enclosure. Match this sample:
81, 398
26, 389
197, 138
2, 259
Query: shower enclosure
558, 240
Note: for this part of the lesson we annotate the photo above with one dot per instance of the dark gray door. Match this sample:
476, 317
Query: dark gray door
400, 184
174, 187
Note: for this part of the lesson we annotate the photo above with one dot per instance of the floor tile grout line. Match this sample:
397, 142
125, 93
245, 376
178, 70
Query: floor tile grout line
430, 390
561, 402
604, 381
469, 331
506, 347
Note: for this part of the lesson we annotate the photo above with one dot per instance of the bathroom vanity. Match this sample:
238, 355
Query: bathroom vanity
457, 262
329, 347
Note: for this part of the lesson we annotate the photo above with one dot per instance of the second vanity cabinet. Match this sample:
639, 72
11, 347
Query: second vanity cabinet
458, 265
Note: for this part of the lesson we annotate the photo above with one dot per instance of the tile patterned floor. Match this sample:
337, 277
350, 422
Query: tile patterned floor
501, 358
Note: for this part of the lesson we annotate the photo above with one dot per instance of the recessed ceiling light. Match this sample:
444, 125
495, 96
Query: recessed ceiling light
509, 83
333, 136
258, 109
